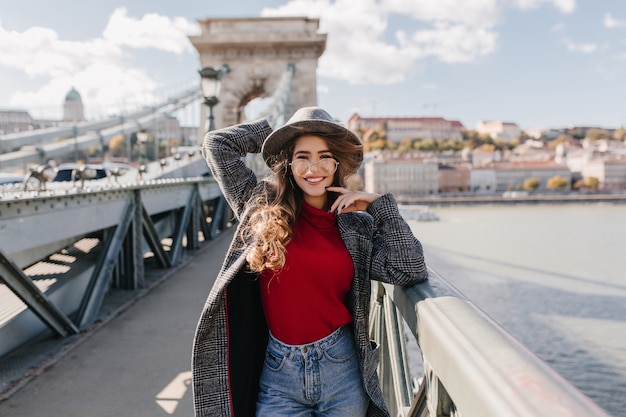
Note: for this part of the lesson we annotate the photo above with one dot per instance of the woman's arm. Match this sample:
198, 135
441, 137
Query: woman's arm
224, 150
397, 256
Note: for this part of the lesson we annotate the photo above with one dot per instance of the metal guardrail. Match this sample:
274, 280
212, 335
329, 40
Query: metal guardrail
155, 221
472, 367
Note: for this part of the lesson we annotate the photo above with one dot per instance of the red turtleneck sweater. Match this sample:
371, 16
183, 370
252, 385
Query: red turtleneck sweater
306, 300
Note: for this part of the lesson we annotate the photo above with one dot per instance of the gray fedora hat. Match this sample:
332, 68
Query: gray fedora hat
312, 120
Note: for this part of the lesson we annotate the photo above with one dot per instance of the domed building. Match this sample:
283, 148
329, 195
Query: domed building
73, 110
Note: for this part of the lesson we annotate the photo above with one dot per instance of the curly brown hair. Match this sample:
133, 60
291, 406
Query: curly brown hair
274, 209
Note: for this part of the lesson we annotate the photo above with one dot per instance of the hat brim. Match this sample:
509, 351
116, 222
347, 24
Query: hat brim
280, 138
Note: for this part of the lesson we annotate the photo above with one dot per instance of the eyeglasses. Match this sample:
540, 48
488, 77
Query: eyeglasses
325, 166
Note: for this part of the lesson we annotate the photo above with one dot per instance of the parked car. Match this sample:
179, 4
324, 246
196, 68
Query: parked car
9, 178
515, 194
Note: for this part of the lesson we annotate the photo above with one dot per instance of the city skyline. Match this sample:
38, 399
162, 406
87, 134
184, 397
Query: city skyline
536, 63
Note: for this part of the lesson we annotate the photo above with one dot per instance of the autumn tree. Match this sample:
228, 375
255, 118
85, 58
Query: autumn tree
531, 184
556, 183
425, 145
590, 183
375, 138
597, 133
405, 145
562, 138
117, 146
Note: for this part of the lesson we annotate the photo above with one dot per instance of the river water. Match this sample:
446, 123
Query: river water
554, 276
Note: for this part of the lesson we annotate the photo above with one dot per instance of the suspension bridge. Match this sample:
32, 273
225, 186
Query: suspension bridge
102, 280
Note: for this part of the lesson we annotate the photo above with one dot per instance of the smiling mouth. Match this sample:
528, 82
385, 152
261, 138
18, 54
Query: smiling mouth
314, 180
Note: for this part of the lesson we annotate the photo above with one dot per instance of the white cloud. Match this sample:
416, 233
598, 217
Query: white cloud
152, 31
39, 52
454, 43
479, 13
105, 88
610, 22
101, 69
565, 6
359, 49
585, 48
323, 89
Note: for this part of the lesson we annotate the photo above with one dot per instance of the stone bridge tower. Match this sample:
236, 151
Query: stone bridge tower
258, 51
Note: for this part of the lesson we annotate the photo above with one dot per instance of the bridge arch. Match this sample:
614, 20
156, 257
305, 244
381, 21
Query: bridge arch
259, 51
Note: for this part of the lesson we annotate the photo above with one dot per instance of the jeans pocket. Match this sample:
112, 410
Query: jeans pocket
274, 361
341, 351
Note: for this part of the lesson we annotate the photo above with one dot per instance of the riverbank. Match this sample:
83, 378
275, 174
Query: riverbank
441, 201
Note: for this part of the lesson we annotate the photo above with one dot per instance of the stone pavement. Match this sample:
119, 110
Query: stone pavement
138, 364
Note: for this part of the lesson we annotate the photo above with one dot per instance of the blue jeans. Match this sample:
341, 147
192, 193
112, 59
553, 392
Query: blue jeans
318, 379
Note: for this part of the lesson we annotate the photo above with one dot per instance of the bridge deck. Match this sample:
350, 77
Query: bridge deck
133, 362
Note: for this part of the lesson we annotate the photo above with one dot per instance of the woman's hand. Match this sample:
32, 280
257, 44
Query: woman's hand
349, 200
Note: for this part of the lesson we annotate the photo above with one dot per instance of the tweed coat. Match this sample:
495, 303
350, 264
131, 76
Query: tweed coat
231, 335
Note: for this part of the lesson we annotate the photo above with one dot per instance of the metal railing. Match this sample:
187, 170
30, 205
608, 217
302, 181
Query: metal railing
472, 367
61, 253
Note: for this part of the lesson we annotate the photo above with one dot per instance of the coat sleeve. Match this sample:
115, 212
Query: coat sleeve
224, 150
397, 255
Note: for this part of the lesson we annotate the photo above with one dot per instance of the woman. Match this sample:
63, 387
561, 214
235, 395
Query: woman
284, 330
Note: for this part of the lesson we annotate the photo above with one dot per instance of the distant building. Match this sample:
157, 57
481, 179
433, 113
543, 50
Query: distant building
542, 133
401, 175
190, 135
483, 180
454, 178
15, 120
399, 128
610, 172
499, 130
73, 110
510, 176
167, 132
481, 156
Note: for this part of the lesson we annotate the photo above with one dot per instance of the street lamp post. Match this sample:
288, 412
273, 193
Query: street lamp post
142, 139
211, 83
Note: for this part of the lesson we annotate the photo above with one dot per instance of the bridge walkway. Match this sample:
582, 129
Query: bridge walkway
133, 362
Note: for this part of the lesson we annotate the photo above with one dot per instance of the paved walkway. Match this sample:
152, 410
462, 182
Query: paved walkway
136, 365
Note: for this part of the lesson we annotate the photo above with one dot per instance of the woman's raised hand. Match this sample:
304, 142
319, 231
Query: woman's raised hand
349, 200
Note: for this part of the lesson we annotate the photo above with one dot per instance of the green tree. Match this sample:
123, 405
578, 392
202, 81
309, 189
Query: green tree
426, 145
474, 139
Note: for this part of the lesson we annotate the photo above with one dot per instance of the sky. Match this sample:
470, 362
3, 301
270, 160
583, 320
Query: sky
537, 63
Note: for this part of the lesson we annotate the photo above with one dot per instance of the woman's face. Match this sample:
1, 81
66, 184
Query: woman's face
313, 168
